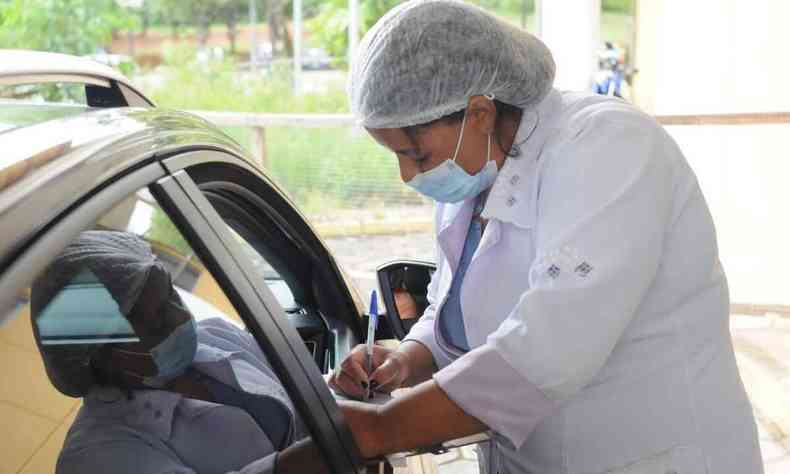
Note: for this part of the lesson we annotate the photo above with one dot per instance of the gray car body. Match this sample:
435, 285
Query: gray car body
49, 169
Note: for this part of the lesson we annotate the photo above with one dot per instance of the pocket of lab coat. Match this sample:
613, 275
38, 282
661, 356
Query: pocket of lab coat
678, 460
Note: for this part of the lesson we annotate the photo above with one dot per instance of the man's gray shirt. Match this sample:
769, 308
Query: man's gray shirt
161, 432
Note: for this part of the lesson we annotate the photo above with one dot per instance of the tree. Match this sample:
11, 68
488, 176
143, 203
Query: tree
330, 25
230, 13
64, 26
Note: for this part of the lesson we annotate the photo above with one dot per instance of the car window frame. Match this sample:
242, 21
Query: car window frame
323, 417
347, 332
205, 229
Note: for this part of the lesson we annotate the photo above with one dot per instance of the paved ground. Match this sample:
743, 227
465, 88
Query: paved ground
761, 345
359, 256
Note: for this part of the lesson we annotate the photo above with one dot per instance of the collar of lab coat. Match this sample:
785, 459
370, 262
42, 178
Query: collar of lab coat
513, 196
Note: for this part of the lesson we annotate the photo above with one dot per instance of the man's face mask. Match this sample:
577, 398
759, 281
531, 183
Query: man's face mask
168, 336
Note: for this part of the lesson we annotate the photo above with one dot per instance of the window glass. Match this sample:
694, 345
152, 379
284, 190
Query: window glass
274, 280
105, 331
45, 93
285, 272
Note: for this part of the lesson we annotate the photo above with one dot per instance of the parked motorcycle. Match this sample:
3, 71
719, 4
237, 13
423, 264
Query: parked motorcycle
613, 77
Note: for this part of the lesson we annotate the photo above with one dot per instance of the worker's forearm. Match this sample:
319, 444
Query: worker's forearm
419, 359
401, 423
302, 456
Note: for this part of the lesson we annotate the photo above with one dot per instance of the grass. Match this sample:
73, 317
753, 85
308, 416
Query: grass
332, 167
341, 167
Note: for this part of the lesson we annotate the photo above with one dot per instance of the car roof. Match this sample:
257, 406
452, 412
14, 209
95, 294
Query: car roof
47, 167
21, 66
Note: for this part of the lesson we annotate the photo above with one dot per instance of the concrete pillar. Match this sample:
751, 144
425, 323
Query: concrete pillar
571, 29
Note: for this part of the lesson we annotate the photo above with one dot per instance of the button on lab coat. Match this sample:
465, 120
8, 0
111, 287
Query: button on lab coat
595, 307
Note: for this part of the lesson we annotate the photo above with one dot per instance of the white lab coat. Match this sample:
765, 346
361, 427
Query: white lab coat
596, 306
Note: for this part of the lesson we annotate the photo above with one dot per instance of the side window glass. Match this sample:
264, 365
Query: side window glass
141, 215
283, 267
274, 279
125, 355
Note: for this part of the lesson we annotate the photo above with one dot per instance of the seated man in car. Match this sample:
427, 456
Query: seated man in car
161, 393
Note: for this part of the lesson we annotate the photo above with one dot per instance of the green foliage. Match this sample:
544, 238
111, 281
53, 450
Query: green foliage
340, 167
163, 230
167, 12
618, 6
219, 85
64, 26
330, 25
507, 7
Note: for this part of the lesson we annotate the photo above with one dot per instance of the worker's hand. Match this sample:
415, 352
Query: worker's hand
389, 370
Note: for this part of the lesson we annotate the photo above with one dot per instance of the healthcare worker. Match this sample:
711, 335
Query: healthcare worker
161, 393
579, 310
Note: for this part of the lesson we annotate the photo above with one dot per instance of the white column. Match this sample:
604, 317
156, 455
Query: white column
572, 30
353, 28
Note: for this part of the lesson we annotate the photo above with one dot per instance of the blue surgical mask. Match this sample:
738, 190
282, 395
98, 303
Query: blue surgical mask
175, 354
449, 183
172, 356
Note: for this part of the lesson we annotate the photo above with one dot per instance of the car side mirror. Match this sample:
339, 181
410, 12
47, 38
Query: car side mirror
404, 289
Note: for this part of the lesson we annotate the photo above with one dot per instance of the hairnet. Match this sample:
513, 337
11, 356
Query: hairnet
424, 59
124, 264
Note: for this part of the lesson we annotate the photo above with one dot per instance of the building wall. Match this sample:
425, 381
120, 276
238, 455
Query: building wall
727, 56
712, 56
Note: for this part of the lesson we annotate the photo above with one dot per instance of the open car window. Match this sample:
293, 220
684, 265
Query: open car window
79, 339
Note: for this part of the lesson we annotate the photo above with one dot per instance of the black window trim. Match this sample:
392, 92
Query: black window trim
209, 237
347, 333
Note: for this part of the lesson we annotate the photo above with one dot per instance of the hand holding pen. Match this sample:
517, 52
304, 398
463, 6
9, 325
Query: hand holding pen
373, 317
370, 367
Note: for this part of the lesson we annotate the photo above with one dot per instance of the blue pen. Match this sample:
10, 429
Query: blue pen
372, 323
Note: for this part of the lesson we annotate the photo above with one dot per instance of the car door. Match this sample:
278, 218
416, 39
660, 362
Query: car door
313, 318
282, 248
210, 272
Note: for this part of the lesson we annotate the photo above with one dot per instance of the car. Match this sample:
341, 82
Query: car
84, 149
